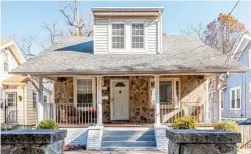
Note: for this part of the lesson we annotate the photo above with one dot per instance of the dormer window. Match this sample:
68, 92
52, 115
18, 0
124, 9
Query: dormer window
118, 36
137, 35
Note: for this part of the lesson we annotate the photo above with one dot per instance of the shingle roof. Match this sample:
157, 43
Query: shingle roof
181, 54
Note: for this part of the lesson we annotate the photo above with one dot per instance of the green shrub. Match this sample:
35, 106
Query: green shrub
47, 124
186, 122
227, 126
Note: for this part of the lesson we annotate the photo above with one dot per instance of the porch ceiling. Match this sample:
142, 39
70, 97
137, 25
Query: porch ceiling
181, 54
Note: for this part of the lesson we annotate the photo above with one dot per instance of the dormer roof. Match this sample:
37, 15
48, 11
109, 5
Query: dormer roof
127, 11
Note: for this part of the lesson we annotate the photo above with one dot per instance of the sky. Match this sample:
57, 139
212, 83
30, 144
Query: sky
24, 19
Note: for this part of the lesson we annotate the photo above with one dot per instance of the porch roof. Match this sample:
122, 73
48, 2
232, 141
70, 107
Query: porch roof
181, 54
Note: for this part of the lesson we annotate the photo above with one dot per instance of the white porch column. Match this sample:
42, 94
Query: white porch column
218, 99
156, 103
40, 109
99, 101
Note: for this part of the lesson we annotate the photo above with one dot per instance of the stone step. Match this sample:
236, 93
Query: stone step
113, 148
129, 138
128, 144
126, 132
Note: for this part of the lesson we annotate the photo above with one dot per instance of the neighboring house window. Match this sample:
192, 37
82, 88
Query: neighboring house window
235, 98
222, 99
249, 60
84, 92
169, 91
118, 36
138, 36
1, 97
45, 99
34, 97
249, 95
6, 61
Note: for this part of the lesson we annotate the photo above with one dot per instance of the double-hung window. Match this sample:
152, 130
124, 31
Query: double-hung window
84, 92
249, 92
6, 61
169, 92
222, 98
235, 98
137, 35
34, 99
118, 36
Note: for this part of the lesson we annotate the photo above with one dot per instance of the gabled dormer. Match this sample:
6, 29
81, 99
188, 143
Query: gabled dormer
128, 30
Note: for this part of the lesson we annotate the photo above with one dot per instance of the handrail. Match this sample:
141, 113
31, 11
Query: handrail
7, 119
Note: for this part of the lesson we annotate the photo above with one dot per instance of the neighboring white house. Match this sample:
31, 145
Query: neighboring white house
18, 95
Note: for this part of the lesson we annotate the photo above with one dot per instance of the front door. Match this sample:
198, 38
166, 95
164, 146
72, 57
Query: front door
119, 99
11, 107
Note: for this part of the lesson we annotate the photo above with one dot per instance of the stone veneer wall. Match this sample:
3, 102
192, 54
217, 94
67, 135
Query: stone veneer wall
64, 90
192, 90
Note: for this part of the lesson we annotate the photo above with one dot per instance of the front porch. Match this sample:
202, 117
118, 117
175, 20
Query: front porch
128, 100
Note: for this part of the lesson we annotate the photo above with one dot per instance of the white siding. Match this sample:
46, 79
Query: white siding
101, 36
31, 110
102, 32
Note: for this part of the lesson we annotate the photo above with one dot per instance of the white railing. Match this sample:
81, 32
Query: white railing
69, 113
193, 109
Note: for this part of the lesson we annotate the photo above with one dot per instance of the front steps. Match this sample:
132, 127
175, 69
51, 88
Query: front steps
116, 138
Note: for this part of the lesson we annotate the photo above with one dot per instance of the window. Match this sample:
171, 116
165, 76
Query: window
249, 60
34, 96
169, 91
137, 36
118, 33
249, 95
235, 98
6, 64
45, 99
222, 99
84, 93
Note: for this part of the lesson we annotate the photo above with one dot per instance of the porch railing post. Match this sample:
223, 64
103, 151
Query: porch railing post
157, 104
218, 102
54, 111
99, 101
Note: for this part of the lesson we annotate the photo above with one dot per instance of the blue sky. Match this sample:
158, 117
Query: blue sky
24, 19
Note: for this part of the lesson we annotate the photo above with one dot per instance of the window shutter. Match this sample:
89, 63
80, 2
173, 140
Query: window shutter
152, 87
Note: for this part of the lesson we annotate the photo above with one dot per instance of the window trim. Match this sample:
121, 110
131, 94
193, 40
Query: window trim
110, 37
173, 90
249, 59
249, 92
6, 61
144, 43
222, 98
230, 96
75, 90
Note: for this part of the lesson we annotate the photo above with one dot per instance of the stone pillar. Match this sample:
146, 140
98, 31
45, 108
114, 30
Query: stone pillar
40, 109
156, 102
33, 141
218, 102
99, 101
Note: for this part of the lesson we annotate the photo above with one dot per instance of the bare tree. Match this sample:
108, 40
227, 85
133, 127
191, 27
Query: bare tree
75, 18
54, 33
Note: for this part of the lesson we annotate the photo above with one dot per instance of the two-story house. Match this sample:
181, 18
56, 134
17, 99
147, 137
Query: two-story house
18, 95
127, 74
236, 96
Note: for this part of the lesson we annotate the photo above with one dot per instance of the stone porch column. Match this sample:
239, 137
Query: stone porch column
40, 109
156, 103
99, 101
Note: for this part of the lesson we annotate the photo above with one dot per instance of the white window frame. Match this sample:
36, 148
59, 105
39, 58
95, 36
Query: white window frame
6, 55
249, 59
144, 42
111, 49
249, 92
230, 99
222, 99
173, 92
93, 91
